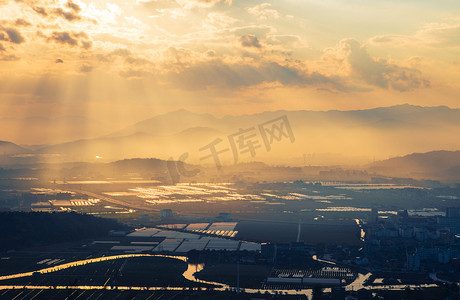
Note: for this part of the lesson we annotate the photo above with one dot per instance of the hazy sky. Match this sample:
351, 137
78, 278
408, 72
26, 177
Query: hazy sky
125, 61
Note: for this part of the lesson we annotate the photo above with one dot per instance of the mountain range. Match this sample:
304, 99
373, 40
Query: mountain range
352, 137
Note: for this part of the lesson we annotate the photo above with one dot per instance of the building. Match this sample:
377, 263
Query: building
452, 213
406, 232
373, 216
413, 262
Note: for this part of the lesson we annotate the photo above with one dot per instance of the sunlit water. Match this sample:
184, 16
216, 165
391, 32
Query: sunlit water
357, 284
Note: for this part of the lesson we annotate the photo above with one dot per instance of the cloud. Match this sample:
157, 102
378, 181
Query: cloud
59, 61
68, 15
71, 38
40, 10
64, 38
22, 22
86, 68
263, 12
73, 6
219, 74
262, 31
178, 7
377, 72
189, 4
134, 74
8, 57
250, 40
443, 35
158, 4
126, 55
440, 34
52, 9
11, 35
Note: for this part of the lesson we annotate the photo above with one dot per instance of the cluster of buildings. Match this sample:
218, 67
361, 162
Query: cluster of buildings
427, 243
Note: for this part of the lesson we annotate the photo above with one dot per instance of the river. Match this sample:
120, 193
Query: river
357, 284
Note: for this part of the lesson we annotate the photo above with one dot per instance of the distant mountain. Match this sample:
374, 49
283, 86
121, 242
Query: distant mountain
405, 116
169, 123
431, 165
46, 130
139, 144
360, 134
8, 148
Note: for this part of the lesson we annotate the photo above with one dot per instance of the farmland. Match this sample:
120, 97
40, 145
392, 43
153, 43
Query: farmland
267, 231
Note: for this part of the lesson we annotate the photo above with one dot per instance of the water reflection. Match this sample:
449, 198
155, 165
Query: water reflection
189, 274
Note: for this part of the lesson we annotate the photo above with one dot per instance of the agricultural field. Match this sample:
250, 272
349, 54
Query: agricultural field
251, 276
279, 232
135, 271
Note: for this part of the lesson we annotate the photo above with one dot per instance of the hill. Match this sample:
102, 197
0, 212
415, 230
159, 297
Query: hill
8, 148
439, 165
349, 137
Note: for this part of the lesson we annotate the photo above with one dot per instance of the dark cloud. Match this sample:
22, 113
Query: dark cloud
64, 38
40, 10
86, 44
73, 6
69, 11
22, 22
59, 61
68, 15
72, 39
11, 35
250, 40
380, 72
218, 74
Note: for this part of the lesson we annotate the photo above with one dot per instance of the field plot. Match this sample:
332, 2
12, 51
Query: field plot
188, 245
198, 227
136, 271
173, 226
145, 232
251, 276
168, 191
347, 233
222, 244
168, 245
266, 231
225, 229
222, 226
250, 246
176, 235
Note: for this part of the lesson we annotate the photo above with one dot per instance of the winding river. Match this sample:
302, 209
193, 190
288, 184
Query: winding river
188, 274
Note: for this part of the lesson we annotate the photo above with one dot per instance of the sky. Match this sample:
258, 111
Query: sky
113, 63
